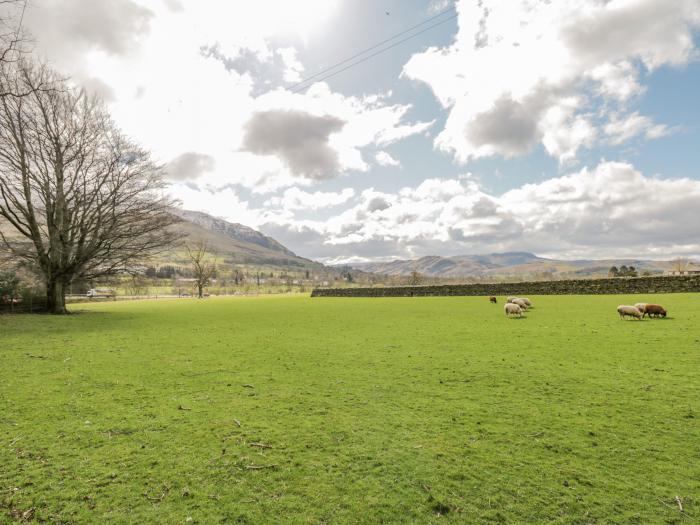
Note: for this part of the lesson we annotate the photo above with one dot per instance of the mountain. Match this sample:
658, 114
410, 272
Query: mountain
237, 243
509, 264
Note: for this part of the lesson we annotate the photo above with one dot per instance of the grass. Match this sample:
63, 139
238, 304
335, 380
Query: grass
410, 410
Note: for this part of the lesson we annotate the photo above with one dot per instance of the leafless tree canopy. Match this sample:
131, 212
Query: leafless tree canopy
680, 264
203, 266
84, 200
13, 41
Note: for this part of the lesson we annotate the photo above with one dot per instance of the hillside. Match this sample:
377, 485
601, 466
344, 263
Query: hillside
519, 264
231, 242
236, 243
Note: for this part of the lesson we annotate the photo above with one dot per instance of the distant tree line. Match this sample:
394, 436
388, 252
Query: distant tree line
623, 271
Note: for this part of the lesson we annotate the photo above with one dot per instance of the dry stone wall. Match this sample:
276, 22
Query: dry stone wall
639, 285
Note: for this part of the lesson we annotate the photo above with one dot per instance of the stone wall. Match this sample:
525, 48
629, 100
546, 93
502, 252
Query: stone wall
639, 285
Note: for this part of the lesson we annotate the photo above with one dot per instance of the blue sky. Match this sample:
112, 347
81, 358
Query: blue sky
569, 129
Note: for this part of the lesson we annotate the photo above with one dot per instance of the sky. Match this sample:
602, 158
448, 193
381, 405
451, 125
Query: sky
570, 129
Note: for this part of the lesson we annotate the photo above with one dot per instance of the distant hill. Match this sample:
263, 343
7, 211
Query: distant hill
509, 264
237, 243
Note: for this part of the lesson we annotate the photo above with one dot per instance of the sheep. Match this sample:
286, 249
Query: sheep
641, 307
493, 299
625, 310
513, 309
522, 304
655, 310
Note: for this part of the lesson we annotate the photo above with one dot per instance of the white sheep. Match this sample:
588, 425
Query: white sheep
642, 307
625, 310
513, 309
511, 299
522, 304
526, 301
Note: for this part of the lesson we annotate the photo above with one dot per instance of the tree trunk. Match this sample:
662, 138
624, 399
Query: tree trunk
55, 297
199, 290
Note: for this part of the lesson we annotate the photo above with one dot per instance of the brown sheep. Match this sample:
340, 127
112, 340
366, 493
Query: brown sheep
654, 310
493, 299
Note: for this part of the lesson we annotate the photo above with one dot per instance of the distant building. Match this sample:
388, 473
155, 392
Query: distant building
691, 269
682, 272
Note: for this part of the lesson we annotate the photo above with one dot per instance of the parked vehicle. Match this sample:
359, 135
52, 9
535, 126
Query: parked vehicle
99, 292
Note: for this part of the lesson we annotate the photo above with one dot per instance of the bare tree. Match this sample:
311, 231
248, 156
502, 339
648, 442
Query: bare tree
415, 278
203, 267
12, 39
680, 264
83, 200
13, 43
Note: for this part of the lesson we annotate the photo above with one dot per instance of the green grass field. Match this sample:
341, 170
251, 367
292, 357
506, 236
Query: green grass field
299, 410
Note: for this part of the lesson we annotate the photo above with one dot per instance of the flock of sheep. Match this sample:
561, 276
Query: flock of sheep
517, 305
639, 310
514, 305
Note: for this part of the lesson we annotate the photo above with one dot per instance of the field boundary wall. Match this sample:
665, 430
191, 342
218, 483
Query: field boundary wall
639, 285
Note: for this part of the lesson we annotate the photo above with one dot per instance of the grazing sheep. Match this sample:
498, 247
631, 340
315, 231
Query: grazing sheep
526, 301
510, 299
513, 309
641, 307
493, 299
655, 310
625, 310
522, 304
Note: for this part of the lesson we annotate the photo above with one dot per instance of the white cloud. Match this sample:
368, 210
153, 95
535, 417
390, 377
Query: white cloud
385, 159
191, 80
565, 133
609, 211
622, 129
113, 28
294, 199
326, 136
514, 64
300, 139
226, 203
617, 81
437, 6
189, 166
196, 76
293, 67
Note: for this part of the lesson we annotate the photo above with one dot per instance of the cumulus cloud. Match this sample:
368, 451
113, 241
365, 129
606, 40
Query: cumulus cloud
293, 68
622, 129
198, 76
385, 159
174, 5
514, 67
297, 199
437, 6
189, 166
70, 27
611, 210
315, 144
509, 127
299, 138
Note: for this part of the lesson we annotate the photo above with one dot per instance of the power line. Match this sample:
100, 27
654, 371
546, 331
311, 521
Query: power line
21, 19
299, 85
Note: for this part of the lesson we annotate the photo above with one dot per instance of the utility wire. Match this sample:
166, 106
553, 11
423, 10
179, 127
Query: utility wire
296, 87
21, 19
